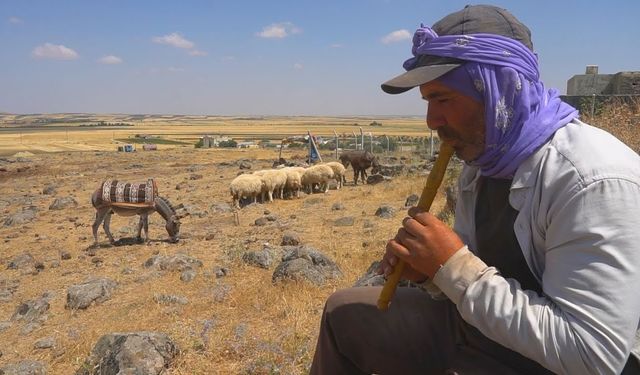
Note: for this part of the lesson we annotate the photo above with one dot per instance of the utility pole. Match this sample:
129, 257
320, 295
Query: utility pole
355, 138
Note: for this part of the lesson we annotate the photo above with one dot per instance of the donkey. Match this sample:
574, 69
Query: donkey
360, 161
105, 208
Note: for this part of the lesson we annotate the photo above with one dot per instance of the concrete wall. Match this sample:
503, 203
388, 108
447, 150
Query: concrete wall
588, 84
624, 83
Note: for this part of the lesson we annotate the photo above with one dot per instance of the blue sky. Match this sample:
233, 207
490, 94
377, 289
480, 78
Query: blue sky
242, 57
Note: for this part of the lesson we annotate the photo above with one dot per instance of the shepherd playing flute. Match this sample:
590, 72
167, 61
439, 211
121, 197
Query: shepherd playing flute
541, 272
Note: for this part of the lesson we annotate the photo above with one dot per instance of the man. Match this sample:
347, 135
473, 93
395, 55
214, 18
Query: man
541, 273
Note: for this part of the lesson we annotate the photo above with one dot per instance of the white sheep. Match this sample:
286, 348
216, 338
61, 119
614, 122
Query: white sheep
294, 180
317, 174
274, 181
338, 172
245, 185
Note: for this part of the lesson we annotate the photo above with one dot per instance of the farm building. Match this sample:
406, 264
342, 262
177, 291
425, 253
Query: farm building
248, 144
126, 148
209, 141
592, 87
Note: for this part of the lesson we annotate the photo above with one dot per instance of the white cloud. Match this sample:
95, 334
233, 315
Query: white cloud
396, 36
336, 45
197, 52
279, 30
54, 52
174, 69
297, 66
110, 60
174, 40
15, 20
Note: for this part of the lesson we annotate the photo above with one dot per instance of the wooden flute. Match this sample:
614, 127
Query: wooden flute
434, 180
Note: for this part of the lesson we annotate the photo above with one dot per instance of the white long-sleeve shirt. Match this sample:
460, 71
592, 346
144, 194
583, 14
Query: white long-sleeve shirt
578, 226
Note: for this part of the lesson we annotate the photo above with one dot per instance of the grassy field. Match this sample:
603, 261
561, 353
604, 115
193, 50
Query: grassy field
82, 132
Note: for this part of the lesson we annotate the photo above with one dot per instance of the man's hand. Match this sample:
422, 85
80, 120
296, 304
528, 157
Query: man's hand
424, 243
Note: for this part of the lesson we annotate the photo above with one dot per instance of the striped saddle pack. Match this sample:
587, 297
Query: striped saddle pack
124, 192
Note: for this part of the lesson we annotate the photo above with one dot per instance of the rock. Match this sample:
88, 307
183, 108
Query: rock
188, 275
337, 206
27, 215
346, 221
148, 353
81, 296
49, 190
26, 367
313, 201
45, 343
303, 263
412, 200
262, 258
5, 325
21, 262
178, 262
261, 221
220, 271
371, 278
5, 295
170, 299
32, 310
385, 211
220, 208
392, 169
290, 239
62, 203
377, 178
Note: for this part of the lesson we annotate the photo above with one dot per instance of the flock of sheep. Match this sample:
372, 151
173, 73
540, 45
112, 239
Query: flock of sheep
288, 181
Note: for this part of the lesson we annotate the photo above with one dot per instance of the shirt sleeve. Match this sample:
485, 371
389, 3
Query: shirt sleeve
586, 320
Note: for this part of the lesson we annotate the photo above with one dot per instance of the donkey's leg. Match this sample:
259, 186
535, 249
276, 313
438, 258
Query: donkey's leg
145, 219
355, 176
107, 222
100, 215
140, 225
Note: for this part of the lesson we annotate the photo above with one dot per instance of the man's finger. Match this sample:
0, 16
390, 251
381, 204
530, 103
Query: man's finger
398, 249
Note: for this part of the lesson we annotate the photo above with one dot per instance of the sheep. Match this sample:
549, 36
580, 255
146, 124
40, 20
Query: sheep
338, 172
274, 181
245, 185
294, 180
317, 174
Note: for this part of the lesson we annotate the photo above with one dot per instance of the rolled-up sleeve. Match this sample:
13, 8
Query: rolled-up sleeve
587, 318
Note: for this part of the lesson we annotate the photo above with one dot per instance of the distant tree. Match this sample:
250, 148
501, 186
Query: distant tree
228, 144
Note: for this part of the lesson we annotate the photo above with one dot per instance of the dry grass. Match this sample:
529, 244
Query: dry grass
29, 133
620, 118
238, 324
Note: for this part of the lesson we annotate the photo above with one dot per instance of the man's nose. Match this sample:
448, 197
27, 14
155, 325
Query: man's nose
435, 120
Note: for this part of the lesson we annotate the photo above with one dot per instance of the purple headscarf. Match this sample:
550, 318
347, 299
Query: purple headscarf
520, 114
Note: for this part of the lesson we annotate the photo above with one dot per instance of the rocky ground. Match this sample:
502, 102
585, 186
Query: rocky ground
237, 294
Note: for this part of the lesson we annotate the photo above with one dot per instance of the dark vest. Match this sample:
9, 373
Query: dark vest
496, 240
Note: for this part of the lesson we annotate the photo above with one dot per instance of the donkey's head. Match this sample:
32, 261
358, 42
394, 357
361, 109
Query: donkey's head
173, 216
375, 165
